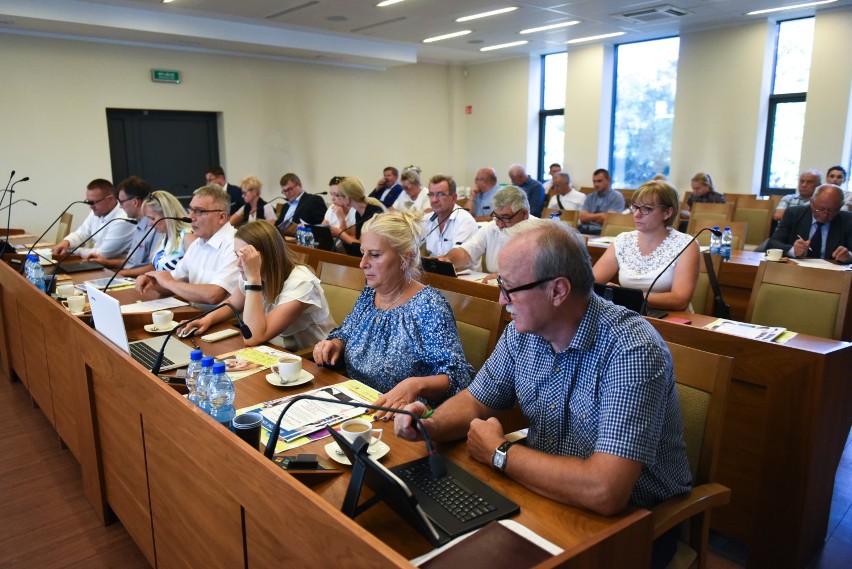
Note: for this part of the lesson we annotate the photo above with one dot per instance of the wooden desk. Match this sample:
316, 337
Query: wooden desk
191, 493
788, 415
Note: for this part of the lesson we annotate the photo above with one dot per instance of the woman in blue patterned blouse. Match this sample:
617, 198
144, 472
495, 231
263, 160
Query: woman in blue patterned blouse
401, 337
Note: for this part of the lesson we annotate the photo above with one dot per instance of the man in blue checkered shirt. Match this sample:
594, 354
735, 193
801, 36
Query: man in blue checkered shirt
594, 380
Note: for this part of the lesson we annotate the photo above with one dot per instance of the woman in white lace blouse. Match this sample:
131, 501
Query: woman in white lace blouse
637, 257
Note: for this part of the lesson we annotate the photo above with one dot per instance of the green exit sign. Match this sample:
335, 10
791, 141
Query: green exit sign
165, 76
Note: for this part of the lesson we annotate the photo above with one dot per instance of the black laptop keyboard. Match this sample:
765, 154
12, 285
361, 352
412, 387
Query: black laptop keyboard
461, 502
145, 355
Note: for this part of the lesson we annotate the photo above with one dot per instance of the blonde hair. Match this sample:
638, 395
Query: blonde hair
352, 188
165, 204
276, 261
401, 230
251, 183
705, 179
662, 193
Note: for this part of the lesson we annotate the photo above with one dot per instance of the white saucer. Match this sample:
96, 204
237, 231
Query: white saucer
274, 379
377, 450
154, 330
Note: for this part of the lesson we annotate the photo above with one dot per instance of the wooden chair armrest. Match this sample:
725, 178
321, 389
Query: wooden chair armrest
679, 508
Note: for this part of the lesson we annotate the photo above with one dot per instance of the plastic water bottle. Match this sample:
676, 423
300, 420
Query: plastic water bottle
309, 238
192, 372
727, 242
34, 272
300, 235
204, 379
715, 242
554, 215
220, 394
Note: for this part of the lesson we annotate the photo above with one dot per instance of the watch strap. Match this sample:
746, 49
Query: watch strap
254, 287
503, 450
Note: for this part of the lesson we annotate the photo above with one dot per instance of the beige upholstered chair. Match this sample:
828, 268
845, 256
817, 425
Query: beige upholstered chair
702, 382
718, 212
738, 230
571, 217
616, 223
342, 285
802, 299
64, 227
758, 215
702, 298
478, 322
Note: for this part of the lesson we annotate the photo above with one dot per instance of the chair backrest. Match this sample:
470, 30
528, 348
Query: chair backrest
758, 215
802, 299
342, 285
587, 190
628, 195
616, 223
702, 298
571, 217
738, 229
478, 323
719, 212
702, 380
64, 227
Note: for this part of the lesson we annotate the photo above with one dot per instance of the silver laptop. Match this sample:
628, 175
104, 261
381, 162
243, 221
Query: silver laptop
106, 312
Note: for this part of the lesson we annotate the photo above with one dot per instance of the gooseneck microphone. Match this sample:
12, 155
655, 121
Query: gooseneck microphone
644, 310
55, 221
144, 237
72, 251
436, 461
11, 191
31, 202
435, 216
244, 329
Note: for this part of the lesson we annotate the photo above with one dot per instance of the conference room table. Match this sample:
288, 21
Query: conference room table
189, 492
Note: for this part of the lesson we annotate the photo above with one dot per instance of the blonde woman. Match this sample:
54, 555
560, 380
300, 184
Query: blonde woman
175, 236
365, 208
281, 301
401, 337
256, 207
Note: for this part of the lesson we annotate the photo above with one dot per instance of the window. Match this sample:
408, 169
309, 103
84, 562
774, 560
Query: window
551, 117
786, 123
645, 85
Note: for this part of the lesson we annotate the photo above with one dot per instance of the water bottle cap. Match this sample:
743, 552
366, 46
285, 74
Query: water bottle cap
727, 228
716, 227
32, 257
196, 355
219, 367
207, 361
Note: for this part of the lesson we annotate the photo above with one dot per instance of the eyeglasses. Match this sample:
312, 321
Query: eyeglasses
437, 195
125, 200
93, 202
827, 211
285, 189
506, 292
505, 218
199, 212
644, 209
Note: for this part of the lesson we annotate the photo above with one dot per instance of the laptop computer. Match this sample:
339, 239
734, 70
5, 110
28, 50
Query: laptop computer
322, 235
440, 508
79, 267
433, 265
106, 312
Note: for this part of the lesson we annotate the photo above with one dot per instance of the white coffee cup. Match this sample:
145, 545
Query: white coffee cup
289, 368
355, 430
774, 254
65, 290
75, 304
162, 319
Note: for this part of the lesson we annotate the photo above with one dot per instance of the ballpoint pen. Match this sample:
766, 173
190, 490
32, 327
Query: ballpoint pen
803, 239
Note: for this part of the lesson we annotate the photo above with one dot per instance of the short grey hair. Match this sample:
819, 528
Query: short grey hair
512, 197
411, 176
219, 195
813, 172
559, 251
564, 175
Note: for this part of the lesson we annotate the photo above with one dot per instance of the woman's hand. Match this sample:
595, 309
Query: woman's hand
405, 392
328, 352
251, 261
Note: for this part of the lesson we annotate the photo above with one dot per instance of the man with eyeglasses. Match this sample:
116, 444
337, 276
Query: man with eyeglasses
600, 202
114, 240
510, 208
301, 207
132, 193
207, 274
449, 225
594, 380
819, 230
533, 188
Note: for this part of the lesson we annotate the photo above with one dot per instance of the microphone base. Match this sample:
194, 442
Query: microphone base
5, 248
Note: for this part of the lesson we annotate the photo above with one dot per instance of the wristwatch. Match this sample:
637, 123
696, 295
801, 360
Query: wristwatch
254, 287
500, 457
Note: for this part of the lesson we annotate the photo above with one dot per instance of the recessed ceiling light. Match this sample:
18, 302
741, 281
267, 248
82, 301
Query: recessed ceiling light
168, 1
793, 7
447, 36
593, 38
551, 27
503, 45
486, 14
387, 3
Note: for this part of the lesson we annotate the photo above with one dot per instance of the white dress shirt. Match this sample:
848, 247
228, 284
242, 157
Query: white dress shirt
460, 227
573, 200
405, 203
211, 261
112, 242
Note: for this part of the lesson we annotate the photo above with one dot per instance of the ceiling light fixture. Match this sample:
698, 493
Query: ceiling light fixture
793, 7
593, 38
387, 3
447, 36
503, 45
487, 14
551, 27
168, 1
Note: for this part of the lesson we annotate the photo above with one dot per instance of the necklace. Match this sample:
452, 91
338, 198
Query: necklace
398, 296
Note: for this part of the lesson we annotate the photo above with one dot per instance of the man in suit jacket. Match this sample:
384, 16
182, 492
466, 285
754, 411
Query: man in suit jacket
216, 175
388, 188
828, 230
301, 207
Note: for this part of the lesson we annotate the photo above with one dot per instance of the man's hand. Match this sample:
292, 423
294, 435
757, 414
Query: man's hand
144, 283
483, 438
800, 248
60, 248
842, 255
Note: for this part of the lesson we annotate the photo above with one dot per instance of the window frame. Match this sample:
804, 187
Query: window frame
774, 102
544, 114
